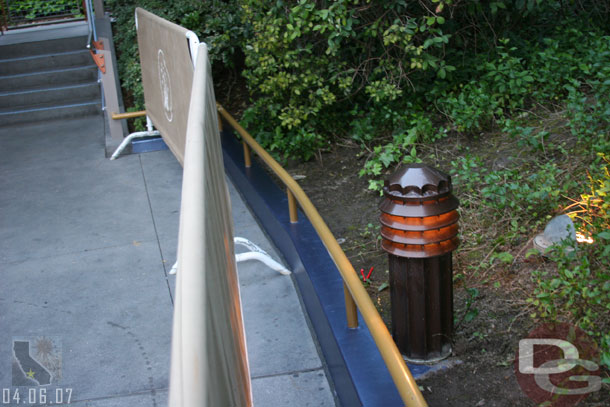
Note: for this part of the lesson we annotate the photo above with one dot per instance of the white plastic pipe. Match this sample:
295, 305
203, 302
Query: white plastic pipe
269, 262
256, 253
127, 140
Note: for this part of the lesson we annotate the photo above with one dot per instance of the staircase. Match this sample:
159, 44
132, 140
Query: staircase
43, 77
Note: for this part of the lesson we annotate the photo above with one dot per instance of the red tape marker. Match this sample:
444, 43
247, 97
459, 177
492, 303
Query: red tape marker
370, 271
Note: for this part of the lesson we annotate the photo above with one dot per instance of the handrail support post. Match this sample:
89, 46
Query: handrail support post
247, 157
351, 311
292, 207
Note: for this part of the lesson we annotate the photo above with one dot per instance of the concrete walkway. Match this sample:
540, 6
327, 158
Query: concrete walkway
85, 249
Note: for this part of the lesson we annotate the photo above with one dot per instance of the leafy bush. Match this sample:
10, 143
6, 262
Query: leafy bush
310, 63
317, 70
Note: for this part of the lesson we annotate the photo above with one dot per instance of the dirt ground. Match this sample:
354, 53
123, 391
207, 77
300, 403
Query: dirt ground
484, 347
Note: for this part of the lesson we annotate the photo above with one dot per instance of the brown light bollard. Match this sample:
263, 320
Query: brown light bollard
419, 227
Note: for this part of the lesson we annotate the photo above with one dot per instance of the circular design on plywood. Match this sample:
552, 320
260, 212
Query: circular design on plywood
166, 86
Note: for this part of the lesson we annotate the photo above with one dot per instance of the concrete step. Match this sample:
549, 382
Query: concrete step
58, 77
47, 73
33, 47
45, 62
19, 100
49, 111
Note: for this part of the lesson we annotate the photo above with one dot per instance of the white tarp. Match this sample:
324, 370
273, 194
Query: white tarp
209, 365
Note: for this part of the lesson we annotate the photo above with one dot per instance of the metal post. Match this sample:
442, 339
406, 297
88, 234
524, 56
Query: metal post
91, 21
3, 15
351, 311
247, 157
292, 207
419, 230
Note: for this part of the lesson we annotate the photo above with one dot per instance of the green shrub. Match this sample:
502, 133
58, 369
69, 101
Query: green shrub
310, 63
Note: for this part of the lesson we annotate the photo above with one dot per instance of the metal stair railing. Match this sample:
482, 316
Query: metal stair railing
22, 14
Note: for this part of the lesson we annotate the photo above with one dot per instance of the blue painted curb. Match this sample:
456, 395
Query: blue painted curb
357, 370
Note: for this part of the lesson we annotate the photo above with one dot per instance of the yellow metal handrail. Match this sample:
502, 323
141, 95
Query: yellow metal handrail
355, 293
128, 115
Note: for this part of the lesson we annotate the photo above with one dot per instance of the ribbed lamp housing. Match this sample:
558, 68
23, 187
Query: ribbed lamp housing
419, 216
